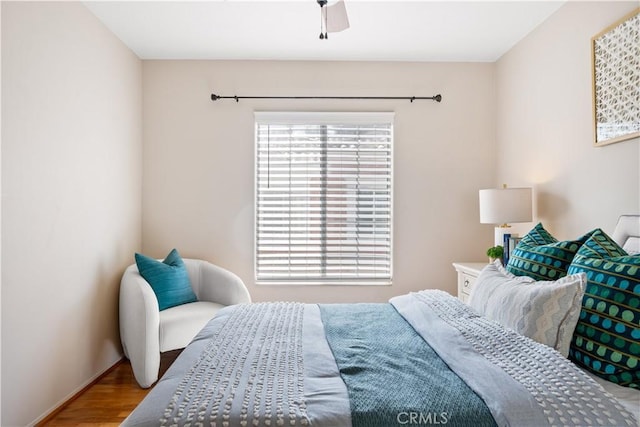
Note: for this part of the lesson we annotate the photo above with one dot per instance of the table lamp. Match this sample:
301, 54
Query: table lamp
504, 205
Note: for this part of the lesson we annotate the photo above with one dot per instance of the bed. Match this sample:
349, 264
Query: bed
424, 358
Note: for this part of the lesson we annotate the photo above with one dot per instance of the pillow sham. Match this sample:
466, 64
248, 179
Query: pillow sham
545, 311
606, 341
542, 256
168, 279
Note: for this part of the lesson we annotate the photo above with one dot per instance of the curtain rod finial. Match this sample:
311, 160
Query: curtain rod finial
214, 97
438, 98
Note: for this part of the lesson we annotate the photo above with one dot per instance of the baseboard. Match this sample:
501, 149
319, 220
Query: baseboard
56, 409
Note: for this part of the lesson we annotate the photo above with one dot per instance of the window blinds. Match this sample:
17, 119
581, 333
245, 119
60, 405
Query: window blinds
323, 197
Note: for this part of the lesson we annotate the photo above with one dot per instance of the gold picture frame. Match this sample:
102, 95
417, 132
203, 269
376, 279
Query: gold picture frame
615, 58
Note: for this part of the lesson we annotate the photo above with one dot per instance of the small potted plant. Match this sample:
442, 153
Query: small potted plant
494, 253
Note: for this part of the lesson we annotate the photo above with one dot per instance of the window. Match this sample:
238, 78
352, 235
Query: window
323, 198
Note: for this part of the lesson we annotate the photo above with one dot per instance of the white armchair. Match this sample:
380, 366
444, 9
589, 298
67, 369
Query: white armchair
145, 331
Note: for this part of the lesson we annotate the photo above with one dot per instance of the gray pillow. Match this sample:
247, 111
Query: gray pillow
545, 311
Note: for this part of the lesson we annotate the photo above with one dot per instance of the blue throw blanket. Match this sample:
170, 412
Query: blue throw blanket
393, 376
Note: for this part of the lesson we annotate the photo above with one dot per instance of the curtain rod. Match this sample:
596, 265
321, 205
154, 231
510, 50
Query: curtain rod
436, 98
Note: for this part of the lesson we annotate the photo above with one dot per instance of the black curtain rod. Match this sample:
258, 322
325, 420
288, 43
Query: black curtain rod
436, 98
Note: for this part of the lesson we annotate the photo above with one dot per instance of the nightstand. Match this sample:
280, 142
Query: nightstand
467, 274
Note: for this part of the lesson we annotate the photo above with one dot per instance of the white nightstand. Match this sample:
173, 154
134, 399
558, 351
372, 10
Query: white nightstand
467, 274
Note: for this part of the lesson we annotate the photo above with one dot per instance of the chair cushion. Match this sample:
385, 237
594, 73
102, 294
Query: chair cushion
180, 324
168, 279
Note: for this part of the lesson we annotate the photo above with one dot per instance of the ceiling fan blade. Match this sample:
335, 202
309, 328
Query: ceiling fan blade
336, 17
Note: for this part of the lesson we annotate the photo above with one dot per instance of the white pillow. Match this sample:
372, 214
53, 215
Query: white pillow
545, 311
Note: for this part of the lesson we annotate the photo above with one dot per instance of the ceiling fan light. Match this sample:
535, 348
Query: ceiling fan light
336, 17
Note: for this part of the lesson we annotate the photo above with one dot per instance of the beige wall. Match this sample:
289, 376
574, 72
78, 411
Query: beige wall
0, 234
71, 184
544, 125
198, 185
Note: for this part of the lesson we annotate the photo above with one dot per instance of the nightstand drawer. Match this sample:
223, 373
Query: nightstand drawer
467, 275
465, 285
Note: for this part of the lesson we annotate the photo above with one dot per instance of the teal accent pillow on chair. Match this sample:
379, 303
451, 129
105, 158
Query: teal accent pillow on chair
168, 279
607, 337
542, 256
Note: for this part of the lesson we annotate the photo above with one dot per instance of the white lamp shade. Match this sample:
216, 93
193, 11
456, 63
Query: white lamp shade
505, 205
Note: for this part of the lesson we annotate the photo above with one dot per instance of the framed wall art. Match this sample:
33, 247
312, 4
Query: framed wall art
616, 81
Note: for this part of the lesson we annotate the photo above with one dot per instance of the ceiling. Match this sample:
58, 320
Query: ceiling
441, 31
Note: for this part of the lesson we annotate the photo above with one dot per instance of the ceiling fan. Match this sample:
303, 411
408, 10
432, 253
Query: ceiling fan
333, 18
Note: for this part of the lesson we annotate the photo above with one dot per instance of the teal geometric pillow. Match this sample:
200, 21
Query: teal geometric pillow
607, 337
168, 279
542, 256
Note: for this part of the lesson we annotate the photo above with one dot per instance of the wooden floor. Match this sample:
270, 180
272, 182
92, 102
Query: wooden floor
108, 401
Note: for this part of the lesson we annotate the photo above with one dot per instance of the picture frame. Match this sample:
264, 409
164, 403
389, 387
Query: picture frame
615, 55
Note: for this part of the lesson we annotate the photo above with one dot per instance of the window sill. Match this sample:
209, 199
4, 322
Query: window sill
321, 283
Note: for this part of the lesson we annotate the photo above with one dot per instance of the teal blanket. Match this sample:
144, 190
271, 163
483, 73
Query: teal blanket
393, 376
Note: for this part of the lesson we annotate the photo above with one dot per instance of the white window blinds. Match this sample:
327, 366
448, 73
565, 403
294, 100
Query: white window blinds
323, 197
